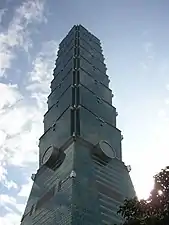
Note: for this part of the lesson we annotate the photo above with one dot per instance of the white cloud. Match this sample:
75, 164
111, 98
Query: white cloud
23, 129
11, 184
43, 64
2, 137
9, 202
3, 171
7, 199
25, 189
21, 124
20, 128
9, 98
21, 120
10, 95
17, 34
41, 74
10, 219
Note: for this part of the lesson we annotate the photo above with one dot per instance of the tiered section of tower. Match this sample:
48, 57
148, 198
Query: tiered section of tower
80, 99
81, 177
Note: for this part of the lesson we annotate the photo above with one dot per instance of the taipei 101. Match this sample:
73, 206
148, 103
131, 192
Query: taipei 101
84, 117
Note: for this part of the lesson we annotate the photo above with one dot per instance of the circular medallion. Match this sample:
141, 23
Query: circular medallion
107, 149
47, 154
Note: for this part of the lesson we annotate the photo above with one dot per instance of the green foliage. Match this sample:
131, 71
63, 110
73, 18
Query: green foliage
154, 210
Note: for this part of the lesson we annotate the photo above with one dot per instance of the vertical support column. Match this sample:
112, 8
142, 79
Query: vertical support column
75, 91
77, 83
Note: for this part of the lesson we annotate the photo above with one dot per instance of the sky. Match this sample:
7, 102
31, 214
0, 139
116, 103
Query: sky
135, 40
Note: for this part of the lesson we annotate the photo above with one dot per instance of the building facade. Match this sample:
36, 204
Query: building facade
81, 177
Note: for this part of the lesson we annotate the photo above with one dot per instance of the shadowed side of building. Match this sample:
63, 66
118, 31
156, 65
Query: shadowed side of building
81, 177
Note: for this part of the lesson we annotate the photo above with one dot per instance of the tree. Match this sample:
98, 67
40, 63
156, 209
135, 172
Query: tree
152, 211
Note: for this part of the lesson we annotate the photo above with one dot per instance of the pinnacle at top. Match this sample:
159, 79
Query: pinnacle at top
81, 45
84, 31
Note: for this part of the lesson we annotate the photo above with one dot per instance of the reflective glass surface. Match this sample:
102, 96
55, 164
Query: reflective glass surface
59, 90
93, 60
63, 51
58, 134
61, 76
98, 106
67, 39
114, 185
91, 39
99, 186
91, 49
63, 59
96, 74
90, 42
95, 86
94, 130
56, 188
60, 69
86, 201
58, 108
84, 31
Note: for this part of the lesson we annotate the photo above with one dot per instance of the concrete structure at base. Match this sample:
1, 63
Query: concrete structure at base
81, 179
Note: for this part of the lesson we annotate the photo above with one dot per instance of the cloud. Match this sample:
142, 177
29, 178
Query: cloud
10, 95
20, 129
17, 34
21, 124
25, 189
11, 205
41, 75
21, 116
10, 219
3, 171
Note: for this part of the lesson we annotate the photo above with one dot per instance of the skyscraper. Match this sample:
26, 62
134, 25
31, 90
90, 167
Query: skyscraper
81, 177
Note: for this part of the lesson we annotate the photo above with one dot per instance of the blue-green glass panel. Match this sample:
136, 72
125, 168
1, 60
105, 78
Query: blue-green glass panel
65, 58
89, 37
91, 43
96, 74
91, 49
63, 51
67, 39
58, 134
59, 90
84, 30
60, 69
94, 130
95, 86
61, 76
98, 106
93, 60
58, 108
